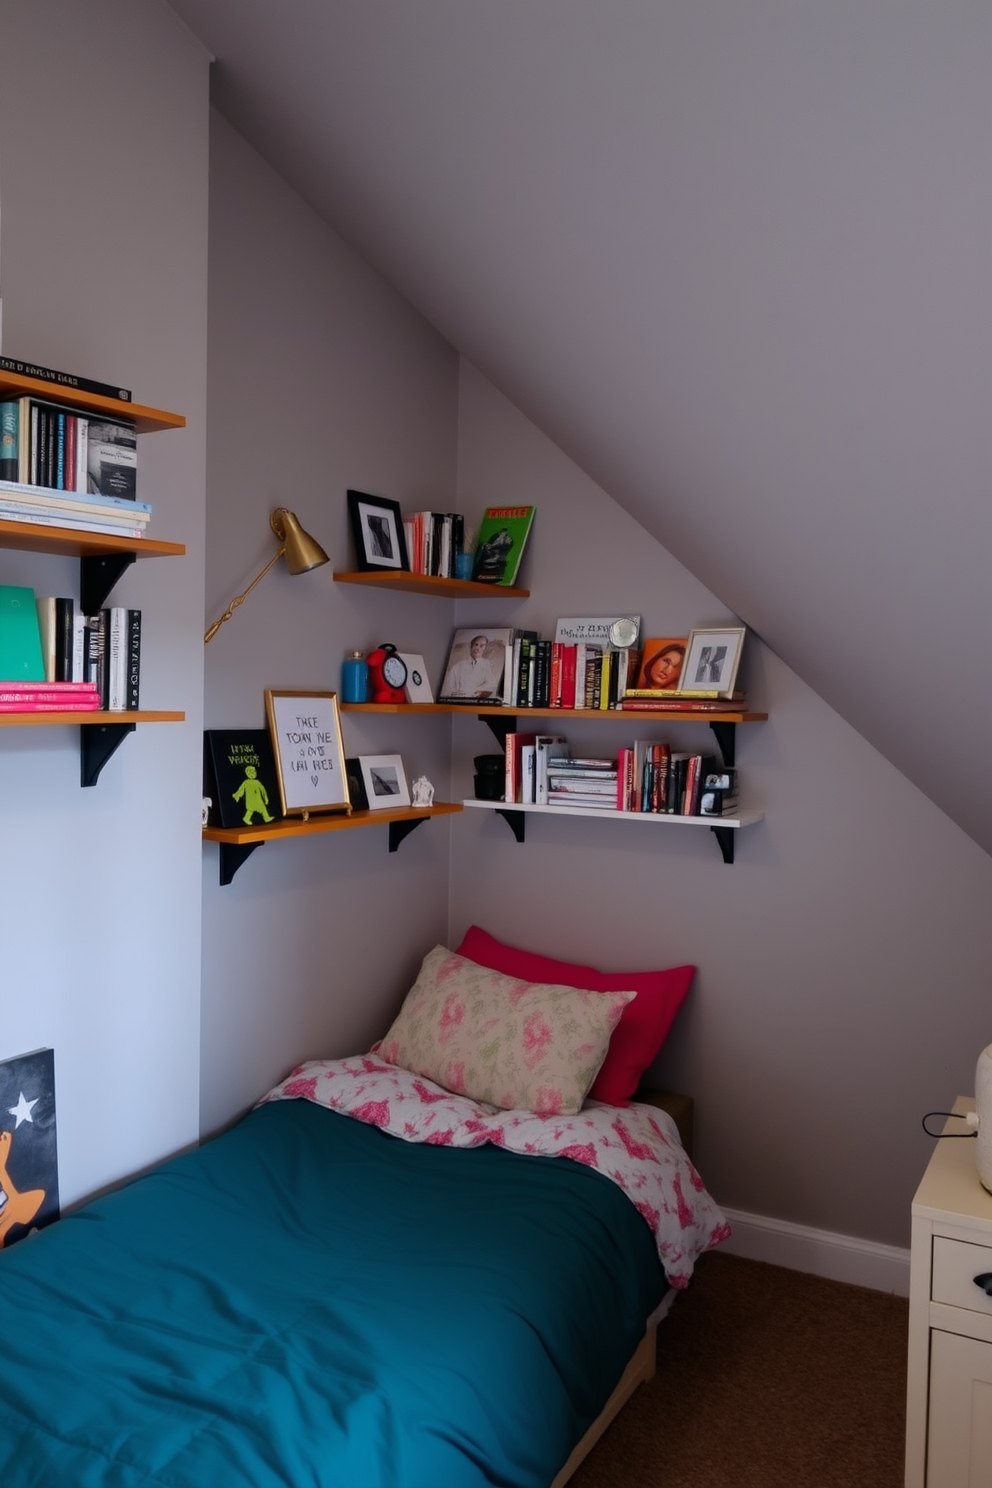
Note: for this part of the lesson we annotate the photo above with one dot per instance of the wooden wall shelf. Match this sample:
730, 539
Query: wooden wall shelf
238, 843
146, 420
411, 583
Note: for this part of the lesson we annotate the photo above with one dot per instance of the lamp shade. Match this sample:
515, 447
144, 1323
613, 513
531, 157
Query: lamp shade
302, 552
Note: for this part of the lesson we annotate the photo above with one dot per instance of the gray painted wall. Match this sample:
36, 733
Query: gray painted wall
843, 959
321, 378
103, 173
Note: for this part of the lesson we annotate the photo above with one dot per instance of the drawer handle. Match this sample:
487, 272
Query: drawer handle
985, 1282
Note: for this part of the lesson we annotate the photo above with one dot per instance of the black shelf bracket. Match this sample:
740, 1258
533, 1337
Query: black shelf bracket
97, 742
516, 821
726, 738
725, 837
400, 829
500, 725
97, 576
232, 855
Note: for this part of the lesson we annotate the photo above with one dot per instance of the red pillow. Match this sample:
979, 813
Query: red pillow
644, 1023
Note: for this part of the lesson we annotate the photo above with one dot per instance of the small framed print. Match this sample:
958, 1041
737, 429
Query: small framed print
309, 754
377, 525
384, 781
417, 687
712, 658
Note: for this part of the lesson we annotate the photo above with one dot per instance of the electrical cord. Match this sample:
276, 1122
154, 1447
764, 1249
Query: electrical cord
956, 1116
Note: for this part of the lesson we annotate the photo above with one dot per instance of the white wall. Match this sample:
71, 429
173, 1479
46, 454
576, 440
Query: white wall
843, 959
103, 174
321, 378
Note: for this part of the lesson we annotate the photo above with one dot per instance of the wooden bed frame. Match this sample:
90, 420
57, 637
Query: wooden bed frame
641, 1366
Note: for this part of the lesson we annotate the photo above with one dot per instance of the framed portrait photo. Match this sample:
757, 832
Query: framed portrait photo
473, 672
377, 525
309, 754
384, 781
711, 661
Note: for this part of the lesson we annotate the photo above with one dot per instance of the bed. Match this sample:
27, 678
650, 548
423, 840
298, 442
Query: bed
371, 1281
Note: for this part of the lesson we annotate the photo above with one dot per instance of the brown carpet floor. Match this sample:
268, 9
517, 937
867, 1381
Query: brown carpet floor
766, 1378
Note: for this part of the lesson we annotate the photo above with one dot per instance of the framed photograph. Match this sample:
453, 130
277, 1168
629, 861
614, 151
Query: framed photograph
378, 527
474, 669
306, 741
417, 687
384, 781
662, 663
711, 661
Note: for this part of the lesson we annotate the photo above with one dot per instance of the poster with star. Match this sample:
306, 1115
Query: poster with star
29, 1171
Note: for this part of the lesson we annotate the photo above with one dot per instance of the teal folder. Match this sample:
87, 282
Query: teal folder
20, 636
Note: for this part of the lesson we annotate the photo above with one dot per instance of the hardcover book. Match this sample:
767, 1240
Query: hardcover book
112, 467
503, 535
239, 776
21, 656
29, 1170
64, 379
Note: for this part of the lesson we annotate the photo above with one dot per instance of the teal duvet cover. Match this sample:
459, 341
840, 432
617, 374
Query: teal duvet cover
310, 1302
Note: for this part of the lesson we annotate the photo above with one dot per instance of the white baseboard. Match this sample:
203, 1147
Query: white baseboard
883, 1268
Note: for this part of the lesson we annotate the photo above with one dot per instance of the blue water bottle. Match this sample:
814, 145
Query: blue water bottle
354, 678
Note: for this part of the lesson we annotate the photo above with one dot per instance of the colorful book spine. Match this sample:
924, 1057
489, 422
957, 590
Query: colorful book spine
133, 680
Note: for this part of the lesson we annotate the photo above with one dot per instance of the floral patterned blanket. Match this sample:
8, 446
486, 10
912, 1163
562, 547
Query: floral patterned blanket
635, 1146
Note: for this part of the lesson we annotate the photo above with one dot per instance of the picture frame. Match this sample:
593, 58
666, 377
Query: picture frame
712, 660
662, 664
377, 525
385, 781
418, 687
305, 730
474, 673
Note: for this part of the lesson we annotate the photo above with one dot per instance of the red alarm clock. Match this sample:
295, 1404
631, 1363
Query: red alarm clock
387, 675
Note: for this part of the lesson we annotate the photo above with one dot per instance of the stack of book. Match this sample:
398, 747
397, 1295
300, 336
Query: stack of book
647, 700
106, 514
433, 539
101, 651
557, 674
647, 776
654, 778
69, 467
583, 782
49, 697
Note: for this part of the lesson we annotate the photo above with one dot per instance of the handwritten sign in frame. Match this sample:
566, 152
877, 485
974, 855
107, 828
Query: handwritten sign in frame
305, 729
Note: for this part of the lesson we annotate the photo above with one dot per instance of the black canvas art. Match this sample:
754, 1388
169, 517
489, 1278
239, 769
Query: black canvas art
29, 1172
239, 776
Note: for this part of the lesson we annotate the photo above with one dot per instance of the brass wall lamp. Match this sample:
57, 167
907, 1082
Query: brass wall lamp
300, 550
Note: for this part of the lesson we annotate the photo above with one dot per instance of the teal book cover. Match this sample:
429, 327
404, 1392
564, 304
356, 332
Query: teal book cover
21, 658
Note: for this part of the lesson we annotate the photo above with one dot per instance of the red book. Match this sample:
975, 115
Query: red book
67, 705
554, 687
568, 675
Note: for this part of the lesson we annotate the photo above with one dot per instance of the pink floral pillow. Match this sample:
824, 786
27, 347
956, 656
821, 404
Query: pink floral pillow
518, 1045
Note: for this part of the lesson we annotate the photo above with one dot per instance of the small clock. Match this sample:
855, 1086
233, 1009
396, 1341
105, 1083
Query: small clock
387, 675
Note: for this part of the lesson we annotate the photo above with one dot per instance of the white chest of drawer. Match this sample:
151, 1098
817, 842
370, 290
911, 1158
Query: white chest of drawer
949, 1387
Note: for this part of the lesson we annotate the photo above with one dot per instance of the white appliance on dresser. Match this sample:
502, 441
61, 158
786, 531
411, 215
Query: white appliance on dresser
949, 1387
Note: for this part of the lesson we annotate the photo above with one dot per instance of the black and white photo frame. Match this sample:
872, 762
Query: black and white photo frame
377, 525
385, 781
712, 658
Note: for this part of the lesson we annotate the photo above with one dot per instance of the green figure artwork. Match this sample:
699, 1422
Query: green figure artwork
256, 797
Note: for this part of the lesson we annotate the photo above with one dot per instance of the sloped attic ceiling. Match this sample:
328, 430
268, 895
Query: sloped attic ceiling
733, 256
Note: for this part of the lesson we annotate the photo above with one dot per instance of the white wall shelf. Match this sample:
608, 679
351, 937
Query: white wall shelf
723, 828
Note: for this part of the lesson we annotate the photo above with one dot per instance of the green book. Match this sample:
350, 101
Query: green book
21, 658
500, 544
